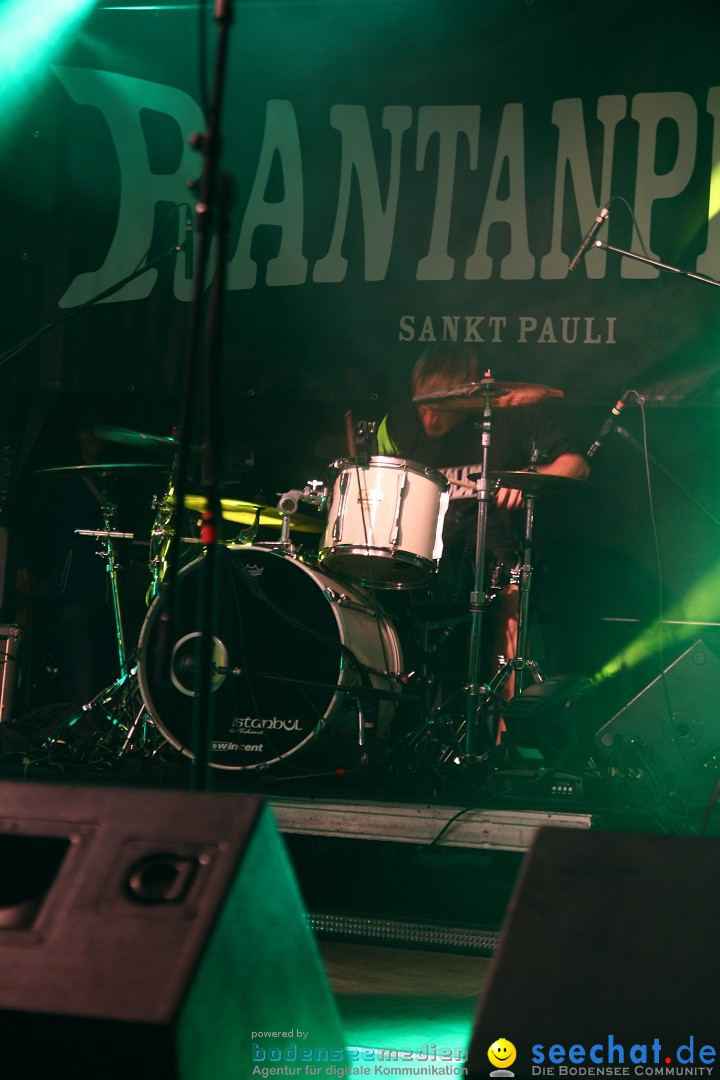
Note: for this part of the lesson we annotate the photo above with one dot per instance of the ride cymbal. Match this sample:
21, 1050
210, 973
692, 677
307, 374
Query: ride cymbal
536, 483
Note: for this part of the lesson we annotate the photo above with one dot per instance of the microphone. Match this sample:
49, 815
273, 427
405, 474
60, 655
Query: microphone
602, 216
611, 422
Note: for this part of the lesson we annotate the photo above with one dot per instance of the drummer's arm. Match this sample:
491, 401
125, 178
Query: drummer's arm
572, 465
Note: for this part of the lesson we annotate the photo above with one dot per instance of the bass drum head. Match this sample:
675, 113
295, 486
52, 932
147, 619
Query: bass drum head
285, 638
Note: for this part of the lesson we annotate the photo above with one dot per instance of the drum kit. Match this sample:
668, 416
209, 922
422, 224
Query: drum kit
308, 665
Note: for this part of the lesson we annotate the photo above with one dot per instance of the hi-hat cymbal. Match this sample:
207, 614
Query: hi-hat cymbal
245, 513
472, 396
536, 483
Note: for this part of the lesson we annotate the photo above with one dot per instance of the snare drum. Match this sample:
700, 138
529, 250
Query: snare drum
385, 522
289, 643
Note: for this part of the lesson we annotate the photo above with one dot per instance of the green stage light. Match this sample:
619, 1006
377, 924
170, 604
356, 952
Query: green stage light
714, 203
31, 35
700, 606
702, 602
642, 648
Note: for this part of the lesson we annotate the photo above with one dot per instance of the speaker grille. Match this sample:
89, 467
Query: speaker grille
361, 928
669, 735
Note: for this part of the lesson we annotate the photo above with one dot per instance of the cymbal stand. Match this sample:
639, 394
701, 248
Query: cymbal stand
160, 540
121, 701
108, 534
123, 710
109, 510
473, 689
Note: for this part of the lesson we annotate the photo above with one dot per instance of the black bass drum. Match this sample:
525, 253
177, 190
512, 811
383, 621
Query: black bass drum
287, 637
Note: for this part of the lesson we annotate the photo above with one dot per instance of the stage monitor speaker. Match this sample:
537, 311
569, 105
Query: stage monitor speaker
669, 735
151, 933
607, 960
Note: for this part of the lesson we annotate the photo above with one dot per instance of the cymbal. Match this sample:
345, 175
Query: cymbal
244, 513
471, 396
128, 437
105, 469
536, 483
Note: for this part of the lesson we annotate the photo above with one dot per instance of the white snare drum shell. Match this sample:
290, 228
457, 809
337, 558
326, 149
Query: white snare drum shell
385, 522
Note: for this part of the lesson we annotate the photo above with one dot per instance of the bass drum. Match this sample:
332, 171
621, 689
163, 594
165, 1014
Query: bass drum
288, 642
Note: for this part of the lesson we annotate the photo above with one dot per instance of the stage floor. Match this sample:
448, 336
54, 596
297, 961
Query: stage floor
403, 999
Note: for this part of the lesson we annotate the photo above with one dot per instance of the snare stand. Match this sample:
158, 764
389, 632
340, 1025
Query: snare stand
520, 664
532, 483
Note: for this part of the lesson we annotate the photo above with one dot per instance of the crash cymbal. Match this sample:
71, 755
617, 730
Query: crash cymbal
145, 441
536, 483
245, 513
471, 396
114, 468
128, 437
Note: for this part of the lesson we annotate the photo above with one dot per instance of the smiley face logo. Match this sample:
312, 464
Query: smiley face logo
501, 1054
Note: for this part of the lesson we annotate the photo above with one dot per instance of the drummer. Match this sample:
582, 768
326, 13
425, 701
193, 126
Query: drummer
451, 441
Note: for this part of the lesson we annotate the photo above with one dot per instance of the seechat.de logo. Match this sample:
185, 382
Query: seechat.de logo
501, 1054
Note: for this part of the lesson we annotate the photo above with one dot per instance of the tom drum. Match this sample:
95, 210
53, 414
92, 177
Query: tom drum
385, 521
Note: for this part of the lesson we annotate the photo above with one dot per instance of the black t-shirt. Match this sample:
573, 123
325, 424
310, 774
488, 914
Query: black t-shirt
460, 453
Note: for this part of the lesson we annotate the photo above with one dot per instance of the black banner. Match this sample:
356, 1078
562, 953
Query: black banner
405, 172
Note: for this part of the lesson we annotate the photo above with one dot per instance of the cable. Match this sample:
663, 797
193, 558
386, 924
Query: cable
656, 541
636, 230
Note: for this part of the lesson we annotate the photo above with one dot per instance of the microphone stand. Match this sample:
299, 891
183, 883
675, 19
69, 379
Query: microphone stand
70, 313
209, 144
621, 430
654, 262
